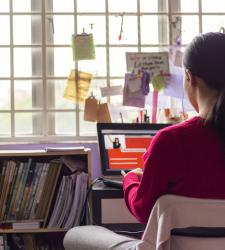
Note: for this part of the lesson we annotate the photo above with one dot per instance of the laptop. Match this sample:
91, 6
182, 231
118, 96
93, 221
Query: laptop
121, 147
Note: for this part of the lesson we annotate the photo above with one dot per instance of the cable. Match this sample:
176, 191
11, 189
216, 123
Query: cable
82, 220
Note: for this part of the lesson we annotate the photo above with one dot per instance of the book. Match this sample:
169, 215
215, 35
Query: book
23, 186
15, 191
58, 203
39, 190
26, 224
4, 184
80, 185
48, 190
12, 186
3, 168
27, 190
11, 166
34, 185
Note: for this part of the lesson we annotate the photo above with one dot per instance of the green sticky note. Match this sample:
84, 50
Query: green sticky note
158, 83
83, 47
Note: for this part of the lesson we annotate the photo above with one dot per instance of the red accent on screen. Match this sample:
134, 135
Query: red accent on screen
137, 142
124, 160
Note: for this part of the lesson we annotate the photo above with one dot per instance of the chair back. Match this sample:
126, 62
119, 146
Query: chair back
182, 223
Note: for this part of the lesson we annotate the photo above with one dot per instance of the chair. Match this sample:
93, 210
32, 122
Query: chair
175, 223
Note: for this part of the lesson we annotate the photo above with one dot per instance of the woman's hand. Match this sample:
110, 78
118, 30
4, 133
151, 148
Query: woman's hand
137, 171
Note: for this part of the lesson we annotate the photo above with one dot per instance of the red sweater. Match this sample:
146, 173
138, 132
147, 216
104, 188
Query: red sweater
185, 159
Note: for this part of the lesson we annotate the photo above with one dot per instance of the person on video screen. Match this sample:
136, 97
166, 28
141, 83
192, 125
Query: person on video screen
116, 143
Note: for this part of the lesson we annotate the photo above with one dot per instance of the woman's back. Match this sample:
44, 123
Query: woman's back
199, 170
185, 159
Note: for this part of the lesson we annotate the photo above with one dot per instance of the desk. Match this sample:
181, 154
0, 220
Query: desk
109, 210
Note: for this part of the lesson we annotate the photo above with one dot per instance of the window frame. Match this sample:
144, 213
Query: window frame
48, 125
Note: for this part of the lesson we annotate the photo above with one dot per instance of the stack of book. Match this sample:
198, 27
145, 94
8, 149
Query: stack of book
27, 189
70, 202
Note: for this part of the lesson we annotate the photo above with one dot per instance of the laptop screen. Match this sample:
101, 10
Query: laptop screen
122, 146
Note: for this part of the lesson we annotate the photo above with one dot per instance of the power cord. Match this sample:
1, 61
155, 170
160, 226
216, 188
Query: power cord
82, 221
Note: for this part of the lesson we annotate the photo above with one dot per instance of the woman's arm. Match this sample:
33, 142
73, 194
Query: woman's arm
140, 194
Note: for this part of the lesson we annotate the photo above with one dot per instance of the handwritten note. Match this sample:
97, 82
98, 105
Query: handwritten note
154, 62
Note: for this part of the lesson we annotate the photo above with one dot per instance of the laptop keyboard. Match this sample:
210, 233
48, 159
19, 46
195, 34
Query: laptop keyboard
113, 183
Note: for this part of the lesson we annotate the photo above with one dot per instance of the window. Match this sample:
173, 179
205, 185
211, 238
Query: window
36, 55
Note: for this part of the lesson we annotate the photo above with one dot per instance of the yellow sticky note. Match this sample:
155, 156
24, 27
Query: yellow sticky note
78, 84
158, 83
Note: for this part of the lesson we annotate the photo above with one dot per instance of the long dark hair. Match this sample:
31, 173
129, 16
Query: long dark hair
205, 58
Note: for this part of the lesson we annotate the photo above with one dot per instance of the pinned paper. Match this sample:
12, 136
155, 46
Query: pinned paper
103, 114
174, 84
154, 62
83, 47
111, 91
78, 84
90, 109
174, 87
178, 61
158, 83
130, 97
134, 83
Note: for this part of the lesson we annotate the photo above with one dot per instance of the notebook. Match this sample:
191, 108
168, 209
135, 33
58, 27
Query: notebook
121, 147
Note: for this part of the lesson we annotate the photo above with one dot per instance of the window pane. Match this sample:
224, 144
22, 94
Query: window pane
4, 62
96, 85
122, 5
130, 33
5, 125
4, 5
90, 5
213, 6
55, 94
26, 5
99, 28
98, 66
57, 67
58, 6
63, 29
189, 28
28, 94
31, 31
117, 99
27, 62
153, 6
64, 123
5, 95
188, 5
87, 128
4, 30
153, 49
158, 29
118, 60
212, 23
28, 119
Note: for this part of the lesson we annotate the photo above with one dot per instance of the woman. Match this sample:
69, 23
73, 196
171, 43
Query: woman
188, 159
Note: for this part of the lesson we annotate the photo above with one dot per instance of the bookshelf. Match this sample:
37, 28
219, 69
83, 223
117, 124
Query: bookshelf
38, 189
